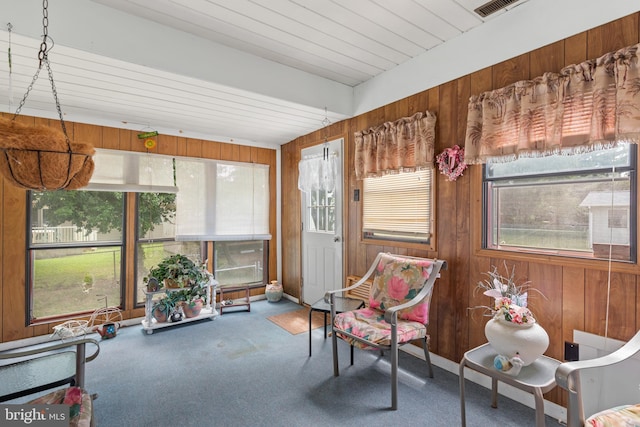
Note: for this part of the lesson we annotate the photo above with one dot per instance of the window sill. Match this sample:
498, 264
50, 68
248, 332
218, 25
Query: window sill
563, 260
399, 244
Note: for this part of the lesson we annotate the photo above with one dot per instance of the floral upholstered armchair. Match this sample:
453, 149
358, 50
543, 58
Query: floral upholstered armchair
398, 310
624, 414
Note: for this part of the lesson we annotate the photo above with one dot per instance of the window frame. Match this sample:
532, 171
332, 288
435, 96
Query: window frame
30, 261
265, 261
482, 210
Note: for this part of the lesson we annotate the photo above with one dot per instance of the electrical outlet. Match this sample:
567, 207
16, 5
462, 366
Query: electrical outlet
356, 195
571, 351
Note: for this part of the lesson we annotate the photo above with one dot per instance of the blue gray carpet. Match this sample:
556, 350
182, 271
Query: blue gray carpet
243, 370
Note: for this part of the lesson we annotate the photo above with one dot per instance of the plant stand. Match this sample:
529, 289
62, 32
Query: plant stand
208, 311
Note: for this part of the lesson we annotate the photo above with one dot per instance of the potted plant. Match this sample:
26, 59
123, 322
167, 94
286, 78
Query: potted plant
177, 271
163, 308
512, 330
193, 299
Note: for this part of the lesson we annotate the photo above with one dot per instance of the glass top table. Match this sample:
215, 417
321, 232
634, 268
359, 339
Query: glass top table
537, 378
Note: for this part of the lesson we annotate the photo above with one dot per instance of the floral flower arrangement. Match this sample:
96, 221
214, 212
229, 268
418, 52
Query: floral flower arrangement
507, 310
510, 298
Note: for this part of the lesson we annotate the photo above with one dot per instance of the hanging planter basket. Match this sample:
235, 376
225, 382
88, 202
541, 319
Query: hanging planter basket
42, 158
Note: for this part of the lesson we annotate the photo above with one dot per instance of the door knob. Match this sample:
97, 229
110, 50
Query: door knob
336, 238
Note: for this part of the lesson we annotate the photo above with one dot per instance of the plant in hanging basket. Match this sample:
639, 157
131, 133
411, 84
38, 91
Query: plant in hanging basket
41, 157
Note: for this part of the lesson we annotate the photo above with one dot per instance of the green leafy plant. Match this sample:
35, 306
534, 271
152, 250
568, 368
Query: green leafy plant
193, 294
180, 269
165, 305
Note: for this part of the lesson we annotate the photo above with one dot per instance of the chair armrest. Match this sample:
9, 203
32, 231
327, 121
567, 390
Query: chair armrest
566, 372
328, 296
41, 367
391, 314
11, 354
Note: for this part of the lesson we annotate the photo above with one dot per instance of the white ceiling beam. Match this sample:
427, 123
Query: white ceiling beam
101, 30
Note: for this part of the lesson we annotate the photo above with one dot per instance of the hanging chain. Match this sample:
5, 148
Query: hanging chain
55, 96
325, 123
9, 28
43, 57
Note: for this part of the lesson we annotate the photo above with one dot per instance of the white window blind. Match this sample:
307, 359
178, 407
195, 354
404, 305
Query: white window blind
221, 200
117, 170
398, 206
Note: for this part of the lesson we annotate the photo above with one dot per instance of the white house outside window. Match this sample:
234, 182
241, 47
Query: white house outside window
577, 205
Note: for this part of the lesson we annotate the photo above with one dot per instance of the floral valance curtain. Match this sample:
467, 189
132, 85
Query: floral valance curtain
584, 107
406, 144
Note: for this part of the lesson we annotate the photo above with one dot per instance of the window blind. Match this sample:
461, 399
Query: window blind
117, 170
221, 200
398, 205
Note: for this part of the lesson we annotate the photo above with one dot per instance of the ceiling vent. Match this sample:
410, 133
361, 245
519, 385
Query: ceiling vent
493, 6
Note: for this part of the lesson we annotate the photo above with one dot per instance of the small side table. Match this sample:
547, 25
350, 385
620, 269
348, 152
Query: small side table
537, 378
342, 305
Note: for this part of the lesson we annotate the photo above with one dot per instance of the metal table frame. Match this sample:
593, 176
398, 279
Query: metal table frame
537, 378
342, 304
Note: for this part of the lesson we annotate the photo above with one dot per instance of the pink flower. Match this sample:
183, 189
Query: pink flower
367, 312
398, 288
425, 268
72, 396
357, 332
419, 313
516, 318
374, 303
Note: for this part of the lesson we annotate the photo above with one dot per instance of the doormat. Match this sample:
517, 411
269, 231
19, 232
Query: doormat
297, 322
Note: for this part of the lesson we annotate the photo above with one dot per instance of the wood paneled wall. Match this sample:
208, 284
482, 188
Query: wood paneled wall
13, 217
575, 290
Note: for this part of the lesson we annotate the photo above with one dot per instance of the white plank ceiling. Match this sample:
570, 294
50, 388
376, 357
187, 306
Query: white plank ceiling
258, 72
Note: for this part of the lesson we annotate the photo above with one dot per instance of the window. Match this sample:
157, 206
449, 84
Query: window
76, 244
241, 262
156, 236
618, 218
398, 207
321, 210
221, 200
75, 251
576, 205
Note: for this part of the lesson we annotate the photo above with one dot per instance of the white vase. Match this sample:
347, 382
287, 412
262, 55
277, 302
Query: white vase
273, 291
528, 340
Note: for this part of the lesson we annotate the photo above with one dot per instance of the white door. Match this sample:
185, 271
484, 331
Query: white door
322, 227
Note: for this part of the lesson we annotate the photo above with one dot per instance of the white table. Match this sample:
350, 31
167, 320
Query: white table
537, 378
